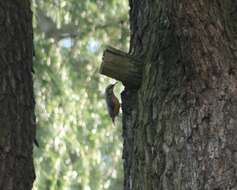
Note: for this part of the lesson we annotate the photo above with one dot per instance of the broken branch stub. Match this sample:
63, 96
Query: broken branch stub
121, 66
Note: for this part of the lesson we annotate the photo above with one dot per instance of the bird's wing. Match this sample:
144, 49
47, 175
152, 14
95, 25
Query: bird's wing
110, 106
116, 106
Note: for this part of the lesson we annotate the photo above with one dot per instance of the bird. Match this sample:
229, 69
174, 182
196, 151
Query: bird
112, 101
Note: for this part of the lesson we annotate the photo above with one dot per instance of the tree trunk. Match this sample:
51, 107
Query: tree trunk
17, 119
180, 126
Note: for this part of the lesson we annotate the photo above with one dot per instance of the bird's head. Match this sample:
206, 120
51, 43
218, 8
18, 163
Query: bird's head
109, 89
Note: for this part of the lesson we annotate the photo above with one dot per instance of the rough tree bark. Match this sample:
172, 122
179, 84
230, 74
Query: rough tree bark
17, 119
180, 126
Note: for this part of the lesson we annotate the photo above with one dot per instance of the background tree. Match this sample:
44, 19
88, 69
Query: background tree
180, 125
79, 147
17, 125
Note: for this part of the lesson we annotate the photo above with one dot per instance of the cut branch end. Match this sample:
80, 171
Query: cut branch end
121, 66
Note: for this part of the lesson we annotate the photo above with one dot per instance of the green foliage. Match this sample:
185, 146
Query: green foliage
80, 149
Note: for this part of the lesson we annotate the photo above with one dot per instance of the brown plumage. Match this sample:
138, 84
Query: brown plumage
112, 101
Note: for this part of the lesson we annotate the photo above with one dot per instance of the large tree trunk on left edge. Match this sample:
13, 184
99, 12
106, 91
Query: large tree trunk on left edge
17, 119
180, 126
